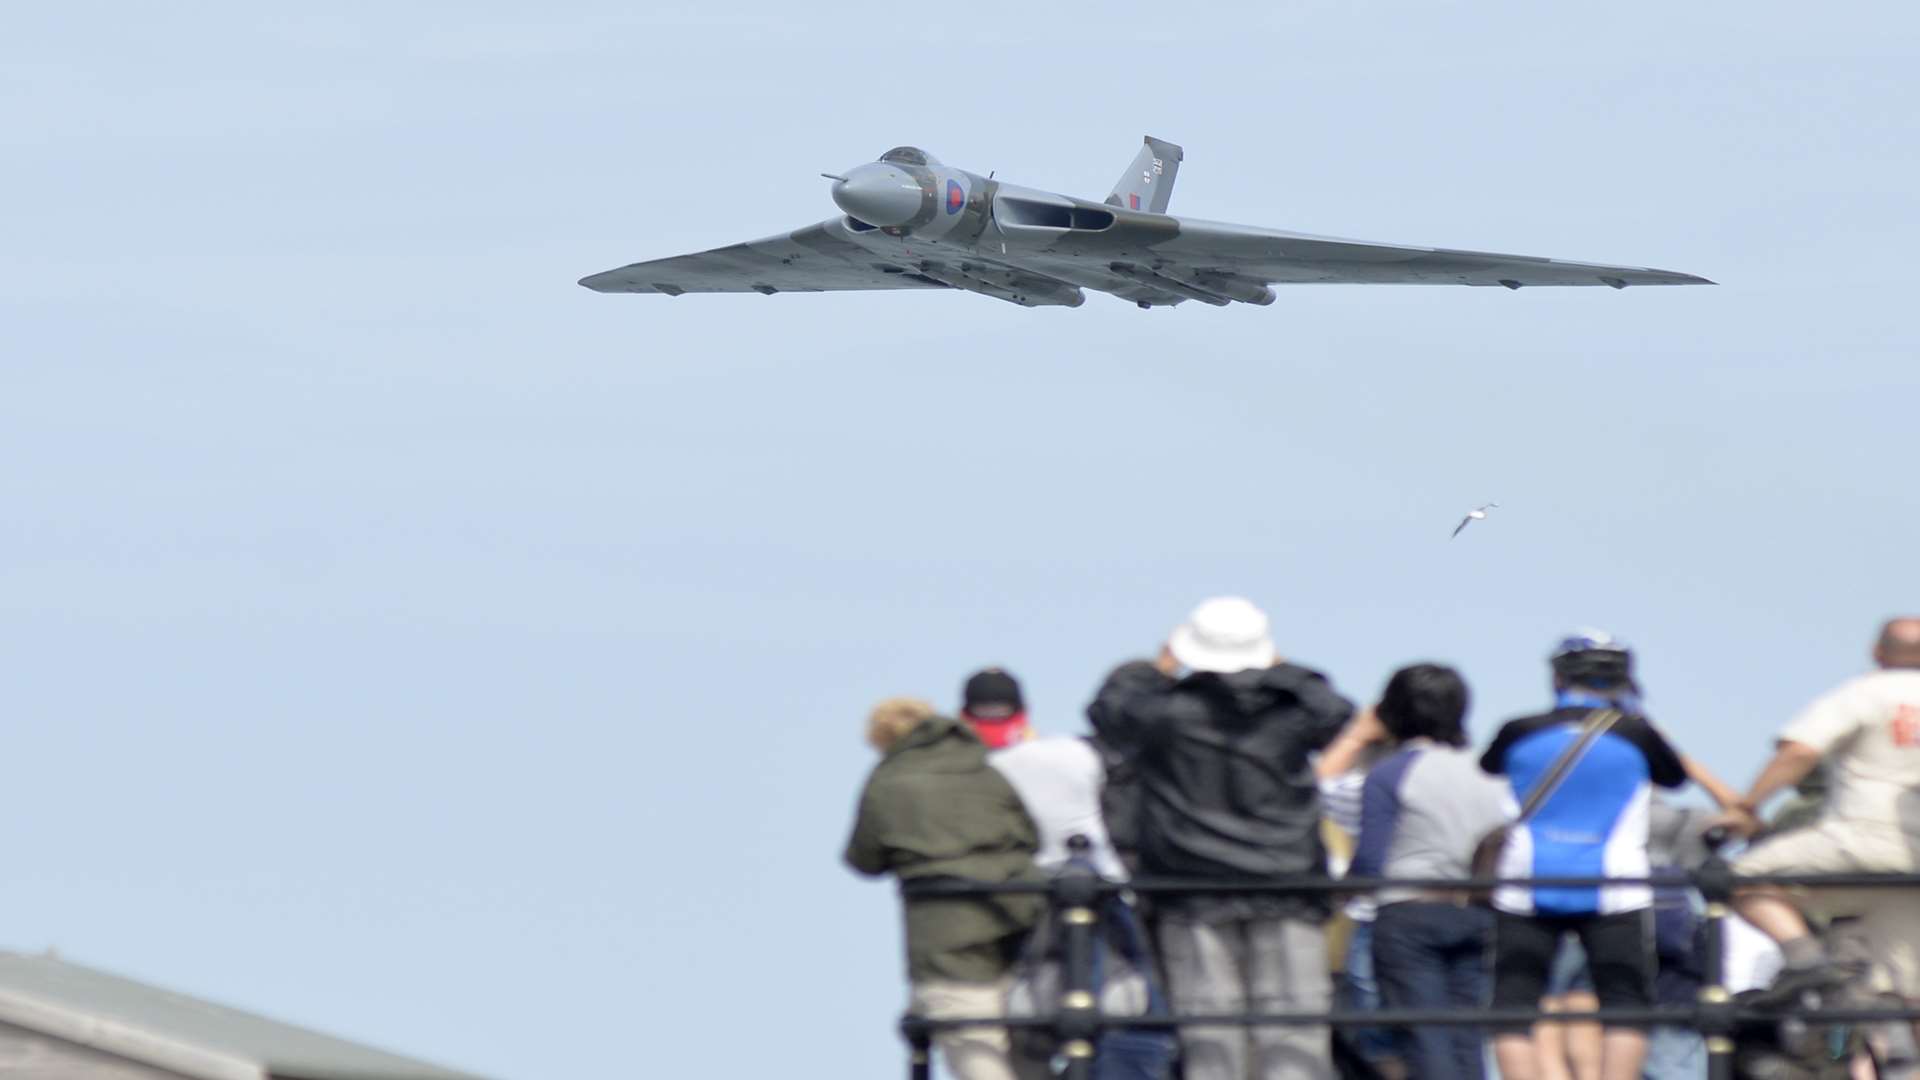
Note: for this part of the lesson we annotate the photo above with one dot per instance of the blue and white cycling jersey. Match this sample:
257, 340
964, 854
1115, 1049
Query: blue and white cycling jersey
1595, 823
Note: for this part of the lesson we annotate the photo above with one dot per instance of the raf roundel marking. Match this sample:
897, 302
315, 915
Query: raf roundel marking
956, 196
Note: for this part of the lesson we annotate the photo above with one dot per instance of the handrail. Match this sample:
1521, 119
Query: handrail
1651, 1014
1150, 886
1077, 1022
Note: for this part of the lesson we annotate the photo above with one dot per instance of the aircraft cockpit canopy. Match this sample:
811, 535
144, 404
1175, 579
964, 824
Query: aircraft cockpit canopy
909, 155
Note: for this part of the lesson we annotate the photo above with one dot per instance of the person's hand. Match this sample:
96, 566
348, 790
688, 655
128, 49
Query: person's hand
1366, 728
1739, 821
1165, 662
1349, 748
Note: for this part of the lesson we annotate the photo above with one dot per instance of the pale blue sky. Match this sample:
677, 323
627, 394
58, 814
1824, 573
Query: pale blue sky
402, 640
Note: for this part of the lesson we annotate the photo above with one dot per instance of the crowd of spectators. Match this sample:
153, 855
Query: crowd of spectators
1220, 761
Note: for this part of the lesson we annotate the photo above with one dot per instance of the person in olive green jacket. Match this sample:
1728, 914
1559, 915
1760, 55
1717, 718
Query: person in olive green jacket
934, 808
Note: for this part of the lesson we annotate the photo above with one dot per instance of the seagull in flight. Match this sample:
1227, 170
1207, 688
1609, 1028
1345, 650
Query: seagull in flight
1476, 514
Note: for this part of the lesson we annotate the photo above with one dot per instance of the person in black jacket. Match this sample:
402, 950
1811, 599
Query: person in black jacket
1217, 734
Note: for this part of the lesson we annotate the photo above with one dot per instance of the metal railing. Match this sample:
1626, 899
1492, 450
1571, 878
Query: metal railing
1076, 893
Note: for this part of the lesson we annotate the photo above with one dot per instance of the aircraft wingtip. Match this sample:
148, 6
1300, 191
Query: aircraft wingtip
1678, 278
1674, 277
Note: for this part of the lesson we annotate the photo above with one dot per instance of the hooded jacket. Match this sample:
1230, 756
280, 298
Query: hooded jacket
1219, 781
934, 808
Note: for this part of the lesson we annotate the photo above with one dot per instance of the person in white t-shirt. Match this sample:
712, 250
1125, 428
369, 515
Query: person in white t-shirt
1058, 779
1867, 731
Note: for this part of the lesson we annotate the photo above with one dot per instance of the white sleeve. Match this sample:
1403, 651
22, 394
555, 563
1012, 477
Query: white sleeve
1831, 719
1340, 800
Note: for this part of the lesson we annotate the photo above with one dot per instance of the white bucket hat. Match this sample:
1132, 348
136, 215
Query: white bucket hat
1224, 635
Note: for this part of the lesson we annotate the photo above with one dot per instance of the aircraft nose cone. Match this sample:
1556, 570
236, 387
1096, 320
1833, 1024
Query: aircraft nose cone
878, 195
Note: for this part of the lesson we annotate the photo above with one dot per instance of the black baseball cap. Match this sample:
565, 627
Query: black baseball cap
992, 693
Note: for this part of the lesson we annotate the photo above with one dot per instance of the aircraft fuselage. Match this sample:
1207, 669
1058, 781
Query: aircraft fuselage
908, 200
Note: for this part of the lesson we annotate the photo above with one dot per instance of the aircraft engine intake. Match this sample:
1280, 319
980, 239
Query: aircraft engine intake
1044, 218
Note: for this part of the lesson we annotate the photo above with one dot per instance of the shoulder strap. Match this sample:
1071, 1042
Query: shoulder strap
1597, 724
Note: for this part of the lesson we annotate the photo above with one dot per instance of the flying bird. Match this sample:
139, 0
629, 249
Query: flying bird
1477, 514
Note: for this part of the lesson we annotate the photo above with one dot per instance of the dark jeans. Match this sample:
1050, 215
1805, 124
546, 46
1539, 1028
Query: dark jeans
1358, 992
1434, 955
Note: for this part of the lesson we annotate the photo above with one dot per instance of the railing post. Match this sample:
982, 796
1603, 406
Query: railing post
1076, 895
919, 1048
1715, 1014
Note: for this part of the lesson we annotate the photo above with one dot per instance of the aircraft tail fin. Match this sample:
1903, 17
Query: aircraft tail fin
1148, 182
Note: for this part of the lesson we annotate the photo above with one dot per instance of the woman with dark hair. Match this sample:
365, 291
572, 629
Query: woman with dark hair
1425, 701
1423, 809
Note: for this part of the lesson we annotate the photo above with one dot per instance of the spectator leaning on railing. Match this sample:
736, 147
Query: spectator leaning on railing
1592, 824
1058, 778
934, 808
1423, 810
1867, 730
1218, 734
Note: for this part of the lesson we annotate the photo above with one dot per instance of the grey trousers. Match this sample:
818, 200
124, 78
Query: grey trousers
1257, 965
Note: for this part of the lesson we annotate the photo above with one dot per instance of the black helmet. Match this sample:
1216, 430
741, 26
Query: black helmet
1594, 659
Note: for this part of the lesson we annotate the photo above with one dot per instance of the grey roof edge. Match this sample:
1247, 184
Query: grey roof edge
123, 1040
189, 1036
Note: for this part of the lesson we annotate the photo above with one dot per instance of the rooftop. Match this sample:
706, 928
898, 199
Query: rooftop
185, 1035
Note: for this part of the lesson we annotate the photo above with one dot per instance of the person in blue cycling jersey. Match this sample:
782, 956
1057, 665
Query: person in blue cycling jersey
1592, 824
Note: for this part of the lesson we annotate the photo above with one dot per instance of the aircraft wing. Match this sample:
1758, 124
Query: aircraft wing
813, 259
1284, 258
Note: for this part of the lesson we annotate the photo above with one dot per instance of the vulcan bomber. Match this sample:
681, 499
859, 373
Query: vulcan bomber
909, 222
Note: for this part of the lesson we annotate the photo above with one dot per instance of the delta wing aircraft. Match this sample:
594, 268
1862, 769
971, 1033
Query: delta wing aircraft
910, 222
